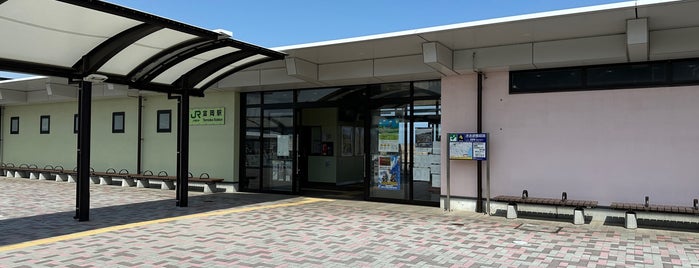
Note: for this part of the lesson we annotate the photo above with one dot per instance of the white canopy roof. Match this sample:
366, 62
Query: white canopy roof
75, 38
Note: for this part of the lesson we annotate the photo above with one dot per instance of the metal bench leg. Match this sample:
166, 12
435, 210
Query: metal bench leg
578, 216
511, 211
630, 222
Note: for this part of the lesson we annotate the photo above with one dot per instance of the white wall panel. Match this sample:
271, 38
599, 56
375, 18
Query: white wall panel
516, 56
581, 51
400, 66
675, 43
346, 70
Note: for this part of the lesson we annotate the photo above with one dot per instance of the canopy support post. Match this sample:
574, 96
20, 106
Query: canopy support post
183, 149
82, 198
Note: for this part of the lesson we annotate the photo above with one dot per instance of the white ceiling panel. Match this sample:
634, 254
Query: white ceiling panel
149, 46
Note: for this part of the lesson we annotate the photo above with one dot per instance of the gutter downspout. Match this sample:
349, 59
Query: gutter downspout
479, 198
139, 151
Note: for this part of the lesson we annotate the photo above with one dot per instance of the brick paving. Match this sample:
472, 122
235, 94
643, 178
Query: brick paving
135, 227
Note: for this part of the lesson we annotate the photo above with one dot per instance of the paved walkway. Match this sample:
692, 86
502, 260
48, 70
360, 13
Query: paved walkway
142, 227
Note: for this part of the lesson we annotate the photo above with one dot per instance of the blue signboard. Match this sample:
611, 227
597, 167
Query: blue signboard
468, 146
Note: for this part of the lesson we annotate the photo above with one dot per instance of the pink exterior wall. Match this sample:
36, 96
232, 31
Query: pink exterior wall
610, 145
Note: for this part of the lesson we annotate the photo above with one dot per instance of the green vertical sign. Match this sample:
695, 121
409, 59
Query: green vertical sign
207, 116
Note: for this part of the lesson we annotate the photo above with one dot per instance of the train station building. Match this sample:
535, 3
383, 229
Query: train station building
598, 102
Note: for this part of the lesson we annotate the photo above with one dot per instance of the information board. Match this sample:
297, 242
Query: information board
468, 146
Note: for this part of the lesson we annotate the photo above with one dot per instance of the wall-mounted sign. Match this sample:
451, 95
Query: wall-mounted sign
468, 146
207, 116
389, 172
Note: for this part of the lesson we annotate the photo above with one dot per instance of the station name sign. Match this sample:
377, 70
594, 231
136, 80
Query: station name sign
207, 116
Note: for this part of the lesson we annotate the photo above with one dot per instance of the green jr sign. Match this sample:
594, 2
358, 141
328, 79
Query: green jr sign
207, 116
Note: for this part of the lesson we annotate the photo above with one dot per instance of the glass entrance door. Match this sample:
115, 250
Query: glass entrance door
426, 150
278, 150
389, 174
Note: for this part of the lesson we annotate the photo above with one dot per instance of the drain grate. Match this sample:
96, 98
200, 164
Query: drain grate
538, 228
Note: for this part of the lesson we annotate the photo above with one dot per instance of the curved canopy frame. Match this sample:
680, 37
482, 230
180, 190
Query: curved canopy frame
130, 47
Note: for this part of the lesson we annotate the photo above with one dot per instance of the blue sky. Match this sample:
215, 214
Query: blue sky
276, 23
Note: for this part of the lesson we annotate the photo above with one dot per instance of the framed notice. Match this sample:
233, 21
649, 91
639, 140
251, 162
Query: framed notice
388, 135
468, 146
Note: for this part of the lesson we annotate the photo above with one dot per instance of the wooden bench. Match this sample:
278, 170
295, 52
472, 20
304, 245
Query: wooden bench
168, 182
630, 219
577, 205
108, 177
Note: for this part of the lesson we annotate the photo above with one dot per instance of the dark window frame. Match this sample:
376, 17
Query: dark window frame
46, 130
169, 123
123, 122
12, 122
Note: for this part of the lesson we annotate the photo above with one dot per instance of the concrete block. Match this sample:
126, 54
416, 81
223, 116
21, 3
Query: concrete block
46, 176
9, 173
142, 183
127, 182
72, 178
209, 187
578, 216
95, 179
630, 222
512, 211
167, 185
34, 175
61, 177
105, 180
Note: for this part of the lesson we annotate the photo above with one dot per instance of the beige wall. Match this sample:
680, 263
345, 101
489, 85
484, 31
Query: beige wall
610, 145
213, 149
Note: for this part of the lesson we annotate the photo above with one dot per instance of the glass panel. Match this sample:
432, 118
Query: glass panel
545, 81
279, 97
428, 89
278, 132
389, 132
313, 95
395, 90
685, 71
628, 74
253, 149
253, 98
427, 150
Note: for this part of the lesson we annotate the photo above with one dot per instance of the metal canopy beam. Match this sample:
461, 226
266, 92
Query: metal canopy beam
236, 69
108, 49
175, 58
201, 72
148, 65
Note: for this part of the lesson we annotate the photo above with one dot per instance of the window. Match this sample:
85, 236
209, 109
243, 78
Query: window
45, 127
545, 80
164, 120
75, 123
610, 76
118, 122
14, 125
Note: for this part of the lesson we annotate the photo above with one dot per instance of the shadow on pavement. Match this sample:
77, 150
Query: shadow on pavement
23, 229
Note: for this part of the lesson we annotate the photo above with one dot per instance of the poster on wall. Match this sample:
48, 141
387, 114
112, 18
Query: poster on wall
423, 140
283, 145
389, 173
468, 146
207, 116
388, 135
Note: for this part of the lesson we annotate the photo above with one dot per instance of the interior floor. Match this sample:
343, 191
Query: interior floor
321, 190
